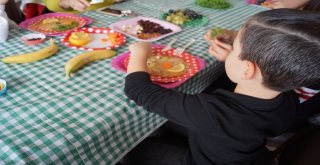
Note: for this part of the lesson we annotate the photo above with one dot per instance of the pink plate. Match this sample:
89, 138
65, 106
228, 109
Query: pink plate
99, 39
118, 26
119, 63
34, 24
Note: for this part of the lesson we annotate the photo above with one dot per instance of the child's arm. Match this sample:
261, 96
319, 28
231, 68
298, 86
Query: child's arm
74, 5
79, 5
186, 110
175, 106
4, 21
138, 58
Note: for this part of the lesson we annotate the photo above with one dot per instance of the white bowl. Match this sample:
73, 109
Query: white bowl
4, 89
33, 38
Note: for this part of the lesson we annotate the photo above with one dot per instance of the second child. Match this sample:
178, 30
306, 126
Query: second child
272, 54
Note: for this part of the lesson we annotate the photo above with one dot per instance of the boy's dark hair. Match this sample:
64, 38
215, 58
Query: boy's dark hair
313, 5
285, 45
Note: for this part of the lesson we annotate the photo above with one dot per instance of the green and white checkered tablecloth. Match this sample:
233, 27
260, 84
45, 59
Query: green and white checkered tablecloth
47, 119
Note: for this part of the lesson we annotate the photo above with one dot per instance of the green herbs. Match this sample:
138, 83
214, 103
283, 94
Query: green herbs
213, 4
63, 27
216, 31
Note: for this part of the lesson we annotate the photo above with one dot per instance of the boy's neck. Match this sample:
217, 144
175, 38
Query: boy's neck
256, 91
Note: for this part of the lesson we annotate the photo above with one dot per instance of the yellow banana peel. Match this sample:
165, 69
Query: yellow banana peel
80, 60
34, 56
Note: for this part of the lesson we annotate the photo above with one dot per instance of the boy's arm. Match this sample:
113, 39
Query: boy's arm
138, 58
187, 110
183, 109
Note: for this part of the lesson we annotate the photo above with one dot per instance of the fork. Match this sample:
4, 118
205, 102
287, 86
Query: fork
178, 51
169, 46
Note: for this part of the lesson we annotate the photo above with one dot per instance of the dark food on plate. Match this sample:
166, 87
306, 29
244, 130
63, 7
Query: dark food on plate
148, 35
150, 29
34, 39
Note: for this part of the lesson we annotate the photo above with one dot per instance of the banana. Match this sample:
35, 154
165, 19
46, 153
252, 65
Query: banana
34, 56
80, 60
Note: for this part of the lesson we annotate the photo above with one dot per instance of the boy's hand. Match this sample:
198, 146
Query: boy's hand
140, 48
3, 2
79, 5
228, 36
139, 55
220, 45
219, 50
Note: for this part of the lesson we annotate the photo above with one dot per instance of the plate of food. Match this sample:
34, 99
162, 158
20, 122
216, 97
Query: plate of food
55, 24
165, 68
185, 18
93, 38
145, 28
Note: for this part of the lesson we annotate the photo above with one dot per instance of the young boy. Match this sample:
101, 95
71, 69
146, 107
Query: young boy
309, 96
273, 53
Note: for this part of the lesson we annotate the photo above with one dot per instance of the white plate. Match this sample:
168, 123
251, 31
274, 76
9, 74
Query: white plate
133, 22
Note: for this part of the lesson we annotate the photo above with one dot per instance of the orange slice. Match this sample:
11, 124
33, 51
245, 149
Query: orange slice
79, 38
177, 68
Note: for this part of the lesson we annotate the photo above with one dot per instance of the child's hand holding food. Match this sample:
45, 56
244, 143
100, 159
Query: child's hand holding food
220, 41
224, 35
220, 50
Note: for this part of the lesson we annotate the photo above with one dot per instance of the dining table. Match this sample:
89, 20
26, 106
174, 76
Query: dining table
46, 118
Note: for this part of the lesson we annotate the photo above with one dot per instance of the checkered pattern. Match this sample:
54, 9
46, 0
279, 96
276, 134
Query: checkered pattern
48, 119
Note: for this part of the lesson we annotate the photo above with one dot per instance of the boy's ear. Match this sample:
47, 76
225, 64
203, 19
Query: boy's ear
249, 70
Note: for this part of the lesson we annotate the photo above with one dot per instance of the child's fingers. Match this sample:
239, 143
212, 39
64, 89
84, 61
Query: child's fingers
212, 51
219, 49
86, 3
207, 39
80, 5
216, 54
223, 45
219, 53
207, 36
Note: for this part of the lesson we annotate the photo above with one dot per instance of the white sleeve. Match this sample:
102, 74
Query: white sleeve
4, 24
